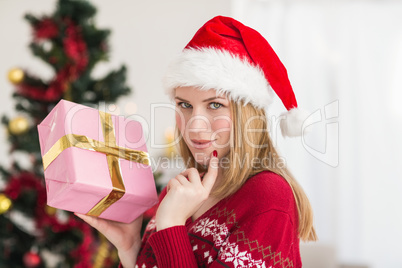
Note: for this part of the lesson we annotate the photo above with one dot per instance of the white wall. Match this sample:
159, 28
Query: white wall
348, 53
145, 36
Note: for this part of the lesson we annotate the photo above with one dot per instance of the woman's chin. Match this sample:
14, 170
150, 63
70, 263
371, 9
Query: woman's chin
202, 159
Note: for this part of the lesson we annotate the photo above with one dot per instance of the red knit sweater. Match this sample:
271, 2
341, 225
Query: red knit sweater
255, 227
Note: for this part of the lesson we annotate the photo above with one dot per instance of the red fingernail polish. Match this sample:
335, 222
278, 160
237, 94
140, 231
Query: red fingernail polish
215, 153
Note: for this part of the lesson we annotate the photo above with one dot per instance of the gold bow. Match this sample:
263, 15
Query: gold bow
113, 153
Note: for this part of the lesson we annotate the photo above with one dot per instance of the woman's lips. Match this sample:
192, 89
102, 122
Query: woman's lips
201, 144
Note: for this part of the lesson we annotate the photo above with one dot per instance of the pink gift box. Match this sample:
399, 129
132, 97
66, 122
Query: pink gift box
77, 179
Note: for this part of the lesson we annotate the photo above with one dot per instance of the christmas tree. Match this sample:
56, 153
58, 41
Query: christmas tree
33, 234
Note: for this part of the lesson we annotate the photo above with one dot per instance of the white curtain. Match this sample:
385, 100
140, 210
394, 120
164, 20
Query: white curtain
344, 59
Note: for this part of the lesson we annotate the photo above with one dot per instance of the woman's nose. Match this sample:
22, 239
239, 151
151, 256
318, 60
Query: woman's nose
198, 122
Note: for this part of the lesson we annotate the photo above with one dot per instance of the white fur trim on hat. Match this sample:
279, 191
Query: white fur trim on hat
292, 123
211, 68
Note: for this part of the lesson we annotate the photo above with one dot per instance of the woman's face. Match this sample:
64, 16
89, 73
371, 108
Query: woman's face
204, 120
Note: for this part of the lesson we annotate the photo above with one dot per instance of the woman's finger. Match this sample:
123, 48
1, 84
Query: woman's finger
193, 176
183, 180
189, 171
210, 177
88, 219
93, 221
173, 183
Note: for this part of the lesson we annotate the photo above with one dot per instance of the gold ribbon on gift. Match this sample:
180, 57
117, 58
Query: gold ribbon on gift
108, 147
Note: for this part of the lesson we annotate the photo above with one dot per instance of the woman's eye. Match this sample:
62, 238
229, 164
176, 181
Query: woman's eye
215, 105
184, 104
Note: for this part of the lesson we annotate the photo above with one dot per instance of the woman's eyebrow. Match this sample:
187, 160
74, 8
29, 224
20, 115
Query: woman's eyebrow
180, 99
213, 98
209, 99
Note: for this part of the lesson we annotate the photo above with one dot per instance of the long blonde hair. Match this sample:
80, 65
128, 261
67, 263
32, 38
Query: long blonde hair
243, 144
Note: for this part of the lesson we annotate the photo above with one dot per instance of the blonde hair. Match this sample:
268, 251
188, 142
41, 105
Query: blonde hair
243, 143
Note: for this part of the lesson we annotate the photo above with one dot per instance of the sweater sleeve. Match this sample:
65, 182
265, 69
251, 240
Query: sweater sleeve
172, 247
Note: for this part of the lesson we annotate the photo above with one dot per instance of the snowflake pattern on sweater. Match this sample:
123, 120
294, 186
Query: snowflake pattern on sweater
208, 227
255, 227
229, 251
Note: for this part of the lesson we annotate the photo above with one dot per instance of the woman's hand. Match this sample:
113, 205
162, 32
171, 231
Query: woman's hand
185, 196
126, 237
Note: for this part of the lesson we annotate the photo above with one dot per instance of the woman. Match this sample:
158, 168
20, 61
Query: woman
236, 205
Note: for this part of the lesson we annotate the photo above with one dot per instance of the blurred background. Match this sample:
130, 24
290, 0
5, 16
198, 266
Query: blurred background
344, 60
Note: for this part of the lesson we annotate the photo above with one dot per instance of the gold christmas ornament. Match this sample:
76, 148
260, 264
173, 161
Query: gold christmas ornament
51, 211
16, 76
5, 203
170, 150
18, 125
67, 92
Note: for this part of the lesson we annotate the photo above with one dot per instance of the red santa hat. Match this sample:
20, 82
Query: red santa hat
236, 60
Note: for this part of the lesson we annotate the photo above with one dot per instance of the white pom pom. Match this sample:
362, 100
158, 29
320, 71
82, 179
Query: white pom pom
292, 123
